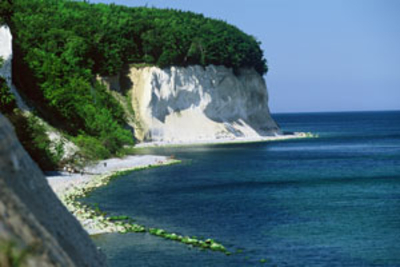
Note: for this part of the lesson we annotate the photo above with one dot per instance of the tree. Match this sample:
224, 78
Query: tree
61, 46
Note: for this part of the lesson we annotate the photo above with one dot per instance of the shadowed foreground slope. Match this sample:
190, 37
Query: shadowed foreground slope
34, 225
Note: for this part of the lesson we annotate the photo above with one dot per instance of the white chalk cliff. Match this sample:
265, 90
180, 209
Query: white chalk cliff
6, 54
185, 104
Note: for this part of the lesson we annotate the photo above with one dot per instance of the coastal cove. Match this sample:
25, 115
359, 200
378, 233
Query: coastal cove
148, 133
71, 188
299, 202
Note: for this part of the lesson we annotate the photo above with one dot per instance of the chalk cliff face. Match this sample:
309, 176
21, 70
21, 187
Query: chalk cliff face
32, 219
6, 53
195, 103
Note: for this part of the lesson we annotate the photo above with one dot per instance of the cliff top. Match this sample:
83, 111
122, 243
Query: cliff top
111, 35
61, 46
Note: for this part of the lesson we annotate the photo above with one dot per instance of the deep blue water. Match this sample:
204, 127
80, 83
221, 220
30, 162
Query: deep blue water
328, 201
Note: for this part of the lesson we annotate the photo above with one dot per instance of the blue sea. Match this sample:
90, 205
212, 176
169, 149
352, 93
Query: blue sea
327, 201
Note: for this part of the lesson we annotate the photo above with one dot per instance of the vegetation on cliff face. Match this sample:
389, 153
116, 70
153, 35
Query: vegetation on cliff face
5, 10
33, 137
53, 71
7, 99
31, 133
36, 230
61, 46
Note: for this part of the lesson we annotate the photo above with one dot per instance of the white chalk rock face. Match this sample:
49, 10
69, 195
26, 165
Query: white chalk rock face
184, 104
6, 53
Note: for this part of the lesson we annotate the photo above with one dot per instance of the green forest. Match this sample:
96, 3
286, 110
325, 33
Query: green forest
61, 46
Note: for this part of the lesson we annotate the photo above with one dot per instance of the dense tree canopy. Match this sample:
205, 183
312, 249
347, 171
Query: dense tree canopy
60, 47
103, 37
5, 10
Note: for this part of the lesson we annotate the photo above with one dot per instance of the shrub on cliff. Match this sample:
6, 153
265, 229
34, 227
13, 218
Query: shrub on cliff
32, 135
5, 11
53, 68
30, 132
7, 99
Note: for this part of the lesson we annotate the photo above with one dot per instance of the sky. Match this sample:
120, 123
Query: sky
331, 55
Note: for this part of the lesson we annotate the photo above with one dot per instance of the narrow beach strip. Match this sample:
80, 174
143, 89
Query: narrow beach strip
223, 141
71, 188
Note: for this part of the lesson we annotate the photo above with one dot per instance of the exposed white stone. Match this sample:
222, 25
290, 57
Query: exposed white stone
6, 54
195, 103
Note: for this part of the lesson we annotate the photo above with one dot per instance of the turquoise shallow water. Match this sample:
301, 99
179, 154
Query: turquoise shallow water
329, 201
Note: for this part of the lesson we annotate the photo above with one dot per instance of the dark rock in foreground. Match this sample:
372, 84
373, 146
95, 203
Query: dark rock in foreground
35, 227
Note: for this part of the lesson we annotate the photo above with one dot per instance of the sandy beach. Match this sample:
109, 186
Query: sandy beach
62, 182
71, 186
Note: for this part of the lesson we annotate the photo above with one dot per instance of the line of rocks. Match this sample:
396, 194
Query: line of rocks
96, 222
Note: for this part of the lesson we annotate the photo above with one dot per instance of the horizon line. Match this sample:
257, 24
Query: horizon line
336, 111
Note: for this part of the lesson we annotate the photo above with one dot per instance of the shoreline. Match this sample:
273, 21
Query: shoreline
70, 188
63, 182
224, 141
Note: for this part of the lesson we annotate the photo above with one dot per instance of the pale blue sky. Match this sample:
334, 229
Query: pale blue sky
330, 55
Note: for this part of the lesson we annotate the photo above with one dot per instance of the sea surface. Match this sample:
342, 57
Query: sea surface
327, 201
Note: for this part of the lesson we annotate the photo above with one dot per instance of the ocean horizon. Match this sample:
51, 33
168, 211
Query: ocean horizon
333, 111
327, 201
